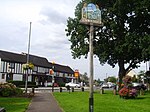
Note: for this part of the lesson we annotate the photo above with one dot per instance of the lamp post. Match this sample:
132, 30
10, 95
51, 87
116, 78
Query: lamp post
91, 16
26, 82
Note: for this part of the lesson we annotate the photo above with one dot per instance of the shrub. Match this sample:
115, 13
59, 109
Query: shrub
22, 83
9, 89
17, 83
6, 92
18, 92
127, 91
62, 84
124, 92
29, 86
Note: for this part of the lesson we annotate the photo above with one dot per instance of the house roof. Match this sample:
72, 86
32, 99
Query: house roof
62, 68
22, 58
36, 60
13, 57
132, 73
39, 61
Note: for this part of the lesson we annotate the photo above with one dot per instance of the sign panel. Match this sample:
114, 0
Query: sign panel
76, 73
91, 14
51, 72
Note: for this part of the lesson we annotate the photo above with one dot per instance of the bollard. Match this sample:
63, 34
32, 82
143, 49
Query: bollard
72, 89
101, 90
141, 91
33, 90
82, 89
68, 88
52, 87
115, 90
60, 89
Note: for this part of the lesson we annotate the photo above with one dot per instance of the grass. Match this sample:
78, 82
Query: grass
78, 102
13, 104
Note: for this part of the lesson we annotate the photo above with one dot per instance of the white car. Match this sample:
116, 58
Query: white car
72, 85
105, 85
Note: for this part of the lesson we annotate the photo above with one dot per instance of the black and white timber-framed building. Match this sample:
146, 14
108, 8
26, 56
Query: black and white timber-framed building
11, 68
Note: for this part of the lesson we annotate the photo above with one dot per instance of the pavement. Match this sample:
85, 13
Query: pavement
44, 102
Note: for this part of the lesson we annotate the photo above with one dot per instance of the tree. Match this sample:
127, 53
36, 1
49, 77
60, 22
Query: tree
148, 79
141, 76
84, 78
124, 38
112, 79
97, 82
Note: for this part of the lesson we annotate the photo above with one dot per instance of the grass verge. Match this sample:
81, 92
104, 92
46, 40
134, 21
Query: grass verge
78, 102
13, 104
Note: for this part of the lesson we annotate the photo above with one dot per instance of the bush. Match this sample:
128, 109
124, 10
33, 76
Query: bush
21, 84
127, 91
62, 84
9, 89
17, 83
29, 86
18, 92
6, 92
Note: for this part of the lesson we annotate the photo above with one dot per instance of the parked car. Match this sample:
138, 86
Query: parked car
139, 86
110, 84
107, 85
56, 85
104, 85
72, 85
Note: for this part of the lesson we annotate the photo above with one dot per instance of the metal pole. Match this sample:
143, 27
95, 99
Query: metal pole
53, 79
149, 65
26, 83
91, 99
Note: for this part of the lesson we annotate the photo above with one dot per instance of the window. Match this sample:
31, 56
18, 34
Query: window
35, 69
3, 76
12, 65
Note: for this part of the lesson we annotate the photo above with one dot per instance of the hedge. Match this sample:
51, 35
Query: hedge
22, 83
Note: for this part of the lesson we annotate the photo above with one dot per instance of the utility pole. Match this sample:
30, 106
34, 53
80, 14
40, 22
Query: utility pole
26, 82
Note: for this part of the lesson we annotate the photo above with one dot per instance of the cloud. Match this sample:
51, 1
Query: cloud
52, 16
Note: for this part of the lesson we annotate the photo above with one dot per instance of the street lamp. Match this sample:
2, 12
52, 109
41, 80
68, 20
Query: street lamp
91, 16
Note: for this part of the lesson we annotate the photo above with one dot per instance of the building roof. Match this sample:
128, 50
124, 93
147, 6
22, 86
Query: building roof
36, 60
13, 57
62, 68
132, 73
22, 58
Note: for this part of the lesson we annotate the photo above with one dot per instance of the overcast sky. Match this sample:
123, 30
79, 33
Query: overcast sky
48, 37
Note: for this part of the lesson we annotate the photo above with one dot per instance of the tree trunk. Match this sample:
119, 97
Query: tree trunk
122, 72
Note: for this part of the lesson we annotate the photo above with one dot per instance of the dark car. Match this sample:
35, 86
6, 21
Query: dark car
139, 86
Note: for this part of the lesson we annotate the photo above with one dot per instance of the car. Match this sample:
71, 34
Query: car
107, 85
72, 85
139, 86
56, 85
110, 84
104, 85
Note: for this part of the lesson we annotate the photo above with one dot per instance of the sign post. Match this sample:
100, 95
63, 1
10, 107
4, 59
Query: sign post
51, 72
91, 16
